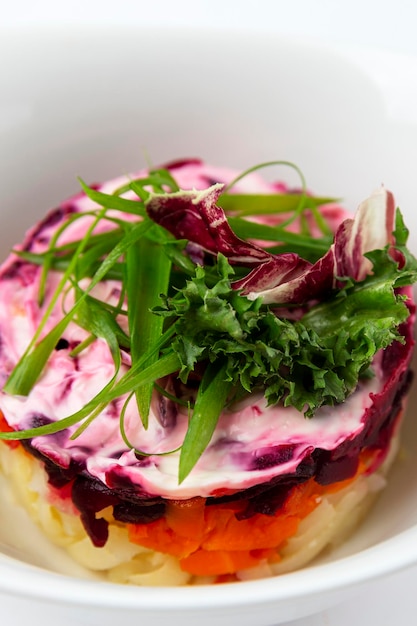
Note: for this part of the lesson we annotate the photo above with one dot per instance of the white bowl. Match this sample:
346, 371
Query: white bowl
93, 103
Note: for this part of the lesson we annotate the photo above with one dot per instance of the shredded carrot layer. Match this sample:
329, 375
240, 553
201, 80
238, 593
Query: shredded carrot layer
209, 540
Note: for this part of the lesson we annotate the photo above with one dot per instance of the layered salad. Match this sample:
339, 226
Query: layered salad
203, 373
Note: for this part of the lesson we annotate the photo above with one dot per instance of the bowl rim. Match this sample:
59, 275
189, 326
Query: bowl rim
387, 557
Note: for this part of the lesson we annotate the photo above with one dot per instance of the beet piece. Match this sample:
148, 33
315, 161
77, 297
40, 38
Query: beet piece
22, 271
143, 513
173, 165
331, 471
51, 219
58, 476
275, 455
91, 496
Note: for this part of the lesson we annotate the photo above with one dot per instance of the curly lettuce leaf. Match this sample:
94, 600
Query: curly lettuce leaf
314, 361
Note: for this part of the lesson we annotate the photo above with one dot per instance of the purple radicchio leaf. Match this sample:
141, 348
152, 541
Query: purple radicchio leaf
194, 215
277, 278
370, 229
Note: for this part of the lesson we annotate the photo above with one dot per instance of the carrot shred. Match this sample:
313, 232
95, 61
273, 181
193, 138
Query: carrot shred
209, 540
217, 562
257, 532
159, 536
186, 517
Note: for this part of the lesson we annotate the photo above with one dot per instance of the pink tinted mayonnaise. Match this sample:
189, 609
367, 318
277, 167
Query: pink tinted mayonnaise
237, 457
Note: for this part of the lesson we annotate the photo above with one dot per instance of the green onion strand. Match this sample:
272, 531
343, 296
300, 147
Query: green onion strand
210, 401
147, 276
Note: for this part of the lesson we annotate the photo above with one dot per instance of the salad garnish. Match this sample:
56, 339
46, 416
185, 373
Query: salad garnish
298, 318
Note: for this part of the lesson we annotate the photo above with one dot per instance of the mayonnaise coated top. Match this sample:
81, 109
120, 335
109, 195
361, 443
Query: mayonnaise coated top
252, 443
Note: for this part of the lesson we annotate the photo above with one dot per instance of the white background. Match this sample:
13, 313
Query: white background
366, 27
384, 24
